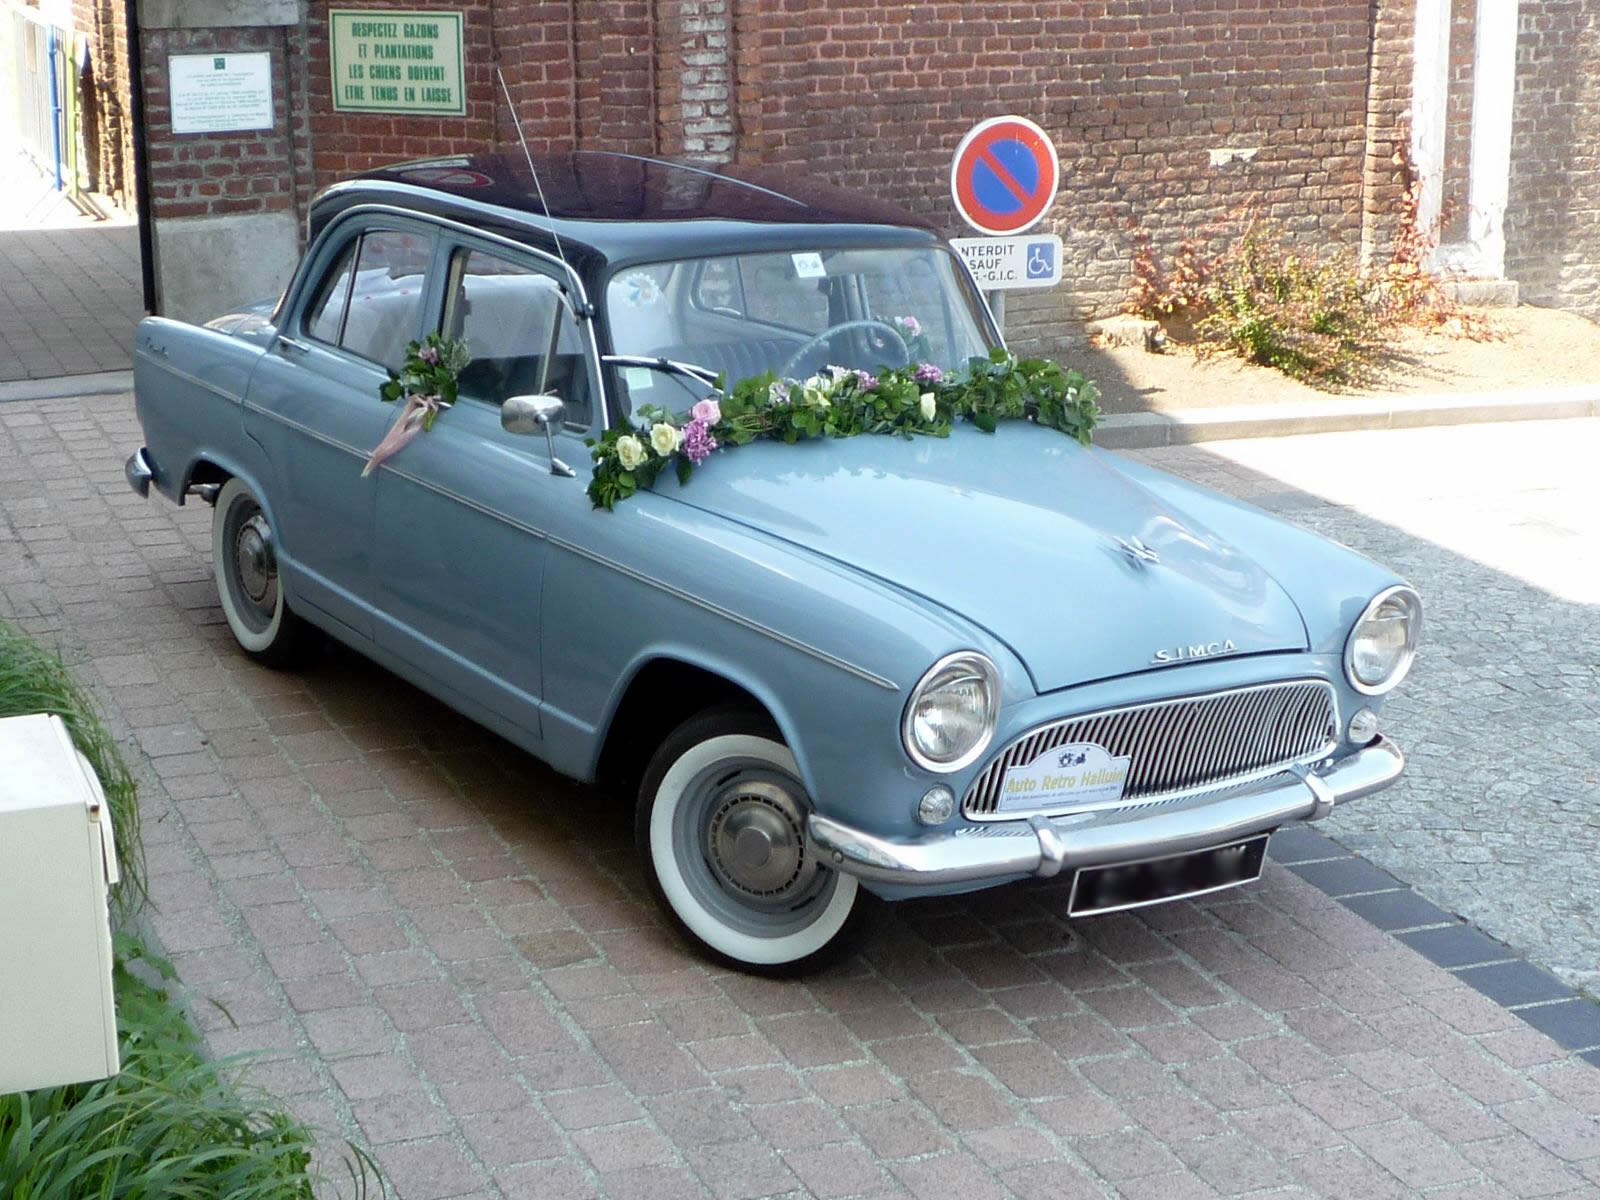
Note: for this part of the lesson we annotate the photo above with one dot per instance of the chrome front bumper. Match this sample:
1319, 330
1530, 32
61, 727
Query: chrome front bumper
1044, 846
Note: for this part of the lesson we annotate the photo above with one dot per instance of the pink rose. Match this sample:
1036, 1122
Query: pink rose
708, 411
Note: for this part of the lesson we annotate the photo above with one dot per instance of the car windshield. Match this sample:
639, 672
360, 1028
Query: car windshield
792, 312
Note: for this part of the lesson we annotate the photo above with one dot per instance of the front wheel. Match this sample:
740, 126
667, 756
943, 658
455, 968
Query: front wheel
721, 829
245, 563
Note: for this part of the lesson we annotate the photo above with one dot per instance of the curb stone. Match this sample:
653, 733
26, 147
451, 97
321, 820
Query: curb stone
1495, 970
1146, 430
62, 386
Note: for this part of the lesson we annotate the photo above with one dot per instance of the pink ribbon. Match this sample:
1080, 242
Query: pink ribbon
406, 426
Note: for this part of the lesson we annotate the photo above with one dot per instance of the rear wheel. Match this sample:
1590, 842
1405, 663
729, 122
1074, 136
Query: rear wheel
245, 563
721, 829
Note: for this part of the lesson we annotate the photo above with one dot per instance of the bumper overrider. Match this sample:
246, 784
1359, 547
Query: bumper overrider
1044, 846
140, 471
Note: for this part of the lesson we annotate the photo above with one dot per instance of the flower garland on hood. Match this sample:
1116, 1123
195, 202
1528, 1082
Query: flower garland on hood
907, 400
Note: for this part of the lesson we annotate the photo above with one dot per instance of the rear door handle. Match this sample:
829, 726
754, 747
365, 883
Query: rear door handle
288, 343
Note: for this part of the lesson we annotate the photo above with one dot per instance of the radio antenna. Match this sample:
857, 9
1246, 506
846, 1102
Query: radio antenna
533, 170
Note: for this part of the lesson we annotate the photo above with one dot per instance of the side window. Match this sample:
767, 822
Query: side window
371, 299
507, 312
386, 295
325, 316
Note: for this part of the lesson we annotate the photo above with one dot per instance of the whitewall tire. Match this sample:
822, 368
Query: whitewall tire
244, 564
721, 830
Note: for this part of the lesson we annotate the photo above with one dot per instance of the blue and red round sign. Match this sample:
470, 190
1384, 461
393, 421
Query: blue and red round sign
1004, 175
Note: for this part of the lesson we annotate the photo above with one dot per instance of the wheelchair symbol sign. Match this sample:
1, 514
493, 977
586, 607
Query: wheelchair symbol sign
1022, 261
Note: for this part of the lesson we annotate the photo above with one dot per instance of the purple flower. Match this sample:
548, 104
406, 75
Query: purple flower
429, 355
910, 324
928, 373
697, 440
865, 380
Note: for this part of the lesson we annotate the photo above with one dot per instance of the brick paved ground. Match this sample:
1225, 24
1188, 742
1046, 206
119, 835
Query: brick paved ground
455, 952
1499, 526
70, 293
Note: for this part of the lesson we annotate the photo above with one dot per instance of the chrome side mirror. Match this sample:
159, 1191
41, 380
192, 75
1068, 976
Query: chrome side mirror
529, 414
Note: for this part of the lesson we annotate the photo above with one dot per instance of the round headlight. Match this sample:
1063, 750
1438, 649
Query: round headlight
1384, 641
950, 716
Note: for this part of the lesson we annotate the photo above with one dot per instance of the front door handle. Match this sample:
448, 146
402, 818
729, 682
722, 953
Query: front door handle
288, 343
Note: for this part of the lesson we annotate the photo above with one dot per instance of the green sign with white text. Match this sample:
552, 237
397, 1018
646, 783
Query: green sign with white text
394, 61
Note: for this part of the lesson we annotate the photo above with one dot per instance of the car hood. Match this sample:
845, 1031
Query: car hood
1083, 572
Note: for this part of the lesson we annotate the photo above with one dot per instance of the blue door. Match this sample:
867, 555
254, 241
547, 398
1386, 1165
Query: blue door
314, 407
463, 510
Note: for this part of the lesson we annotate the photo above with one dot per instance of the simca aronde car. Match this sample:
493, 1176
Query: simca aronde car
910, 665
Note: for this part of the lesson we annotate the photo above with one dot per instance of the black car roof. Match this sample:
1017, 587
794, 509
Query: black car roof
629, 208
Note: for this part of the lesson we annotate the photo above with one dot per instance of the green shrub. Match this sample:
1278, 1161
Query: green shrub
1313, 318
1317, 318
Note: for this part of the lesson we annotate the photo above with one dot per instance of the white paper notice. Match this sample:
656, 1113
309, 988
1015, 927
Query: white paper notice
808, 266
219, 93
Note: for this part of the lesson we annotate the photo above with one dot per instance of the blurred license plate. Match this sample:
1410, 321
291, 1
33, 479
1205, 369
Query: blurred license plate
1132, 885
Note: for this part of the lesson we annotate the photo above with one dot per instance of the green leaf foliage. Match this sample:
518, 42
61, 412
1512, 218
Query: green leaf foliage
984, 391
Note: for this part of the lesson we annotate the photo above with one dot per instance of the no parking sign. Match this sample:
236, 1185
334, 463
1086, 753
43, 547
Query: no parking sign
1004, 175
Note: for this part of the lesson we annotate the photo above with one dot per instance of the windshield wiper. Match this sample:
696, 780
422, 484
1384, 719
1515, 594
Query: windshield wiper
671, 366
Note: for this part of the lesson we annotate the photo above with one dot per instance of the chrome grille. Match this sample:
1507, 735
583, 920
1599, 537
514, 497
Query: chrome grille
1179, 746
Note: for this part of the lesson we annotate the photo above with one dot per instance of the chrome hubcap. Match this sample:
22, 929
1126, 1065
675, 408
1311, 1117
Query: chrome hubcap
257, 571
755, 842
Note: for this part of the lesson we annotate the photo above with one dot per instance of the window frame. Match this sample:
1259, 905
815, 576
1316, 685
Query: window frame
339, 238
455, 242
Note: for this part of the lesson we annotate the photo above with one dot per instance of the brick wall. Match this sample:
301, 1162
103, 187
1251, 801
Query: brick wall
1134, 96
1553, 221
874, 95
696, 71
105, 99
1384, 175
224, 173
344, 143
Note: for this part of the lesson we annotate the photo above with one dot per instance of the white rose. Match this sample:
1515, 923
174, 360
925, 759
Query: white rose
630, 452
927, 406
665, 438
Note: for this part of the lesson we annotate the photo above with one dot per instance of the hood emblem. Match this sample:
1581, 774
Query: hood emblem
1138, 553
1195, 650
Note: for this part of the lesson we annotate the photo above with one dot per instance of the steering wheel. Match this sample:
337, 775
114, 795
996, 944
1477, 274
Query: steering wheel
812, 343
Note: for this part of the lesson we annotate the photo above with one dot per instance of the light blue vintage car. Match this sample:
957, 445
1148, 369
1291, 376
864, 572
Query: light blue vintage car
912, 666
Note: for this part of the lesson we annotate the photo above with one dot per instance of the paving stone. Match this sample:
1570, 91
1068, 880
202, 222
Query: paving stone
977, 1045
1456, 946
1573, 1023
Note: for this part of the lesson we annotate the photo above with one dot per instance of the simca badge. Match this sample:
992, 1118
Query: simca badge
1197, 650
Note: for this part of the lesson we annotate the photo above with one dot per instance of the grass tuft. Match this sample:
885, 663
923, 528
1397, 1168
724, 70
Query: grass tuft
33, 680
171, 1126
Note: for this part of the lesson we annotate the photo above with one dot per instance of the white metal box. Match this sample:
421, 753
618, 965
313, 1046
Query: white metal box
58, 1021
